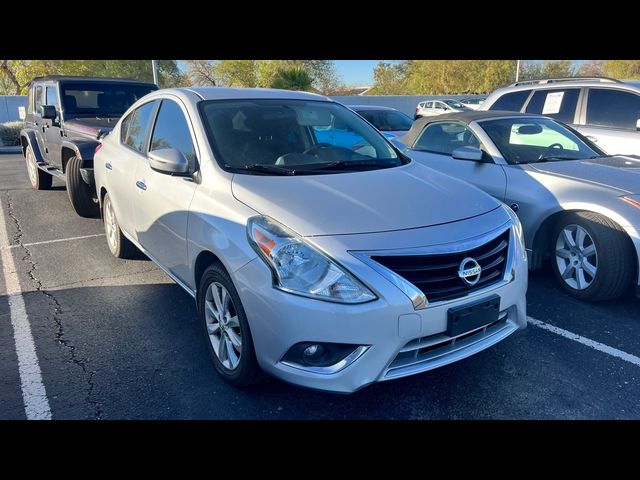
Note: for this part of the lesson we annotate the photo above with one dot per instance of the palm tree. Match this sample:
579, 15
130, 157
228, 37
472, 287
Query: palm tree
295, 78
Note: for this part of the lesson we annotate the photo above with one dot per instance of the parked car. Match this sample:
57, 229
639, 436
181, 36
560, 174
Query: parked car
64, 120
324, 266
605, 110
430, 108
391, 122
473, 102
579, 207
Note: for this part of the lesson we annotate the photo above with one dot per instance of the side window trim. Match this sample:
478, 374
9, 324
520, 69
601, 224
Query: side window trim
194, 143
147, 135
528, 99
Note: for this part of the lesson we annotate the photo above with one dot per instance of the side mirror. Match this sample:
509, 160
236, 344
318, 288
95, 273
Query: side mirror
169, 161
638, 124
472, 154
48, 112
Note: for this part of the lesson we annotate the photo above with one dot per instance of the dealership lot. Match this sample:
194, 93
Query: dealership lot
118, 339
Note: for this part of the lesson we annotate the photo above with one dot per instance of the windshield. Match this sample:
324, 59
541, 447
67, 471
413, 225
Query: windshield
454, 104
291, 137
387, 120
530, 140
101, 99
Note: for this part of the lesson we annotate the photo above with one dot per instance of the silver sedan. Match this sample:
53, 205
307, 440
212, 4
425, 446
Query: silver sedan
579, 207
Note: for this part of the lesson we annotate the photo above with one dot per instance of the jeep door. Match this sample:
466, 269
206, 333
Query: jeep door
52, 127
163, 200
37, 125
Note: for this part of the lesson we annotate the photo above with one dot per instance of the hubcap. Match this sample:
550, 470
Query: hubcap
31, 167
110, 226
576, 257
223, 325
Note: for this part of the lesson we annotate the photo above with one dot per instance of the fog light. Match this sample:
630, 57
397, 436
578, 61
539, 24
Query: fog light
322, 357
313, 351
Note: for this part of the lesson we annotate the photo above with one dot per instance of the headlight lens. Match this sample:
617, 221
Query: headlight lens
517, 226
300, 268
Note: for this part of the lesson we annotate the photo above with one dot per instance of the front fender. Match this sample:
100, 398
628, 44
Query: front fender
83, 149
29, 136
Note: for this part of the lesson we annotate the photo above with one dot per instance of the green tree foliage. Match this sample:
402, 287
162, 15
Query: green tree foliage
389, 78
592, 68
294, 78
622, 69
18, 73
547, 69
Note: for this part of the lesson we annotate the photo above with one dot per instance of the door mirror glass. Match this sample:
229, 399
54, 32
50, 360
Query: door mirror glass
472, 154
169, 161
638, 124
48, 112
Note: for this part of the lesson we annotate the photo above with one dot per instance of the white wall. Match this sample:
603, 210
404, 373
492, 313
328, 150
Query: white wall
404, 103
9, 107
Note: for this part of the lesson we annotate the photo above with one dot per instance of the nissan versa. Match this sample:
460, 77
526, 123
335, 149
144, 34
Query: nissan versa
325, 266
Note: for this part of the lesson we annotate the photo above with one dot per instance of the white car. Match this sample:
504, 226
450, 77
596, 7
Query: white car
326, 266
429, 108
474, 103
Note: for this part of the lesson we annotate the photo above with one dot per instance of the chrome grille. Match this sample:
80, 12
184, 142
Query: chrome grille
436, 275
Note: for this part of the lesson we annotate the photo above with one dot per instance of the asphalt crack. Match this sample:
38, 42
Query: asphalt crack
58, 312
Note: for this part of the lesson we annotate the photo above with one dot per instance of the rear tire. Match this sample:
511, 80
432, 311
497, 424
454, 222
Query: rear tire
119, 245
227, 334
591, 256
82, 196
39, 179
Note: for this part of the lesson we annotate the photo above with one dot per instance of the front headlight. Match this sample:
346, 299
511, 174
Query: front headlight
517, 227
300, 268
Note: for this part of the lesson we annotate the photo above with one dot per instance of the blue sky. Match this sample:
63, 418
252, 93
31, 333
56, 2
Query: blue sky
356, 72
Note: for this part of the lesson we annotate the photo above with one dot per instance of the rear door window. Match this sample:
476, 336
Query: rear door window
512, 102
559, 104
613, 108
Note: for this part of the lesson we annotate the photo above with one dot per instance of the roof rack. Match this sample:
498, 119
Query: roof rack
565, 79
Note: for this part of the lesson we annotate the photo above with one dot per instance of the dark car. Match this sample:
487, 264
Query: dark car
65, 119
391, 122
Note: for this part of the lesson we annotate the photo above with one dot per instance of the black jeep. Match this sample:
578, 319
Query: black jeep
65, 119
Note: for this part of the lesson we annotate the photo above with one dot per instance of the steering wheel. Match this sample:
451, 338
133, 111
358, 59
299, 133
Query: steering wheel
317, 147
554, 146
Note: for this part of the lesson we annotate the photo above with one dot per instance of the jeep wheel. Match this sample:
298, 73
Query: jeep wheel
39, 180
81, 195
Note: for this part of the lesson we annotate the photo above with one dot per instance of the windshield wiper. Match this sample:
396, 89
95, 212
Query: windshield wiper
600, 156
262, 168
552, 159
353, 164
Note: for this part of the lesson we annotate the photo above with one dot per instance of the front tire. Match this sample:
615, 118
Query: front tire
81, 195
119, 245
591, 257
39, 180
226, 328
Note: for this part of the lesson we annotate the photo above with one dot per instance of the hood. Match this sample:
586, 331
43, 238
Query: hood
400, 198
618, 172
90, 126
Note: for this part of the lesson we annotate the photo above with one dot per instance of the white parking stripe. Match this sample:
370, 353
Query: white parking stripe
36, 404
601, 347
56, 241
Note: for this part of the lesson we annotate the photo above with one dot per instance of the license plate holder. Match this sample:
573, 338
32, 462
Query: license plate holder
474, 315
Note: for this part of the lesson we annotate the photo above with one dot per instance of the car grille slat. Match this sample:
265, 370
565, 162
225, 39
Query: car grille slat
436, 275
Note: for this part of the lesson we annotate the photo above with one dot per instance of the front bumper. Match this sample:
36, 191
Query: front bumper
388, 326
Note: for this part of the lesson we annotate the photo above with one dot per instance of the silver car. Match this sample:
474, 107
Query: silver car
579, 207
430, 108
325, 265
605, 110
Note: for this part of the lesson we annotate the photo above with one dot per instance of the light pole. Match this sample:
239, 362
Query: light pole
154, 67
517, 70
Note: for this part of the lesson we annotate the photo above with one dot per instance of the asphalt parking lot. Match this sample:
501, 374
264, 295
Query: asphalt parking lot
118, 339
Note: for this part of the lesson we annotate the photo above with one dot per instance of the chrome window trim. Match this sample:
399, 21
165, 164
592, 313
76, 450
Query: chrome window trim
418, 297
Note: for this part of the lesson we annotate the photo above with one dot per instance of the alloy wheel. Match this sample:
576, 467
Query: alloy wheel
223, 325
111, 226
32, 168
576, 257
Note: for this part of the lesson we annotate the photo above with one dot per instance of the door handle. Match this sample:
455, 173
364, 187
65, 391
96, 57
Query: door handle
141, 185
108, 166
592, 138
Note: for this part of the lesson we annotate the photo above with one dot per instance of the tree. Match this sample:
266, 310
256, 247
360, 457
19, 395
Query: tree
295, 78
622, 69
18, 73
558, 69
592, 68
389, 79
201, 72
236, 73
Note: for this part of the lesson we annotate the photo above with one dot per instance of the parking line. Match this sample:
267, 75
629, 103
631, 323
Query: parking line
601, 347
36, 404
69, 239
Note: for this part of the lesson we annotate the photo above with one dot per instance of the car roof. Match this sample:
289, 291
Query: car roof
369, 107
222, 93
465, 117
87, 79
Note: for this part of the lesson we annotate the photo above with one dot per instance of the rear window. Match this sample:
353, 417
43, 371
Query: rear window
558, 104
97, 98
511, 101
613, 108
